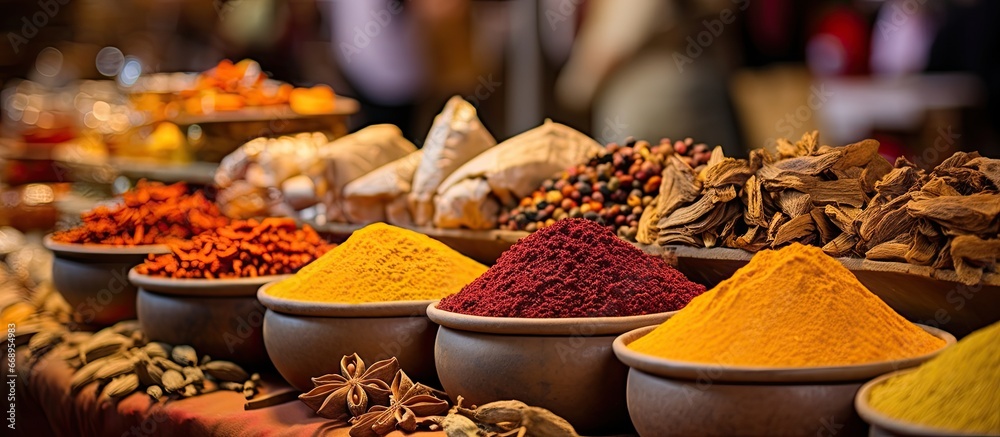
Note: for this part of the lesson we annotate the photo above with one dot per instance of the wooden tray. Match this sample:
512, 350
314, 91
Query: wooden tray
921, 294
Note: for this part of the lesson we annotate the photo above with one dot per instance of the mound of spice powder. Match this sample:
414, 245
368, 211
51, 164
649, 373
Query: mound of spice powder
245, 248
151, 213
381, 263
792, 307
574, 268
958, 390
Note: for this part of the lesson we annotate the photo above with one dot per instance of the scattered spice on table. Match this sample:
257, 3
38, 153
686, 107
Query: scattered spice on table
381, 263
792, 307
958, 390
574, 268
245, 248
151, 213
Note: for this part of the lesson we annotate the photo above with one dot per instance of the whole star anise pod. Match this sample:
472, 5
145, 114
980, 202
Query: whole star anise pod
410, 406
352, 392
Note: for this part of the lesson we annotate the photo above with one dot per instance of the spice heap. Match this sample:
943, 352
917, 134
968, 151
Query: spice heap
955, 391
798, 194
574, 268
245, 248
848, 200
612, 188
380, 398
151, 213
122, 360
947, 218
792, 307
381, 263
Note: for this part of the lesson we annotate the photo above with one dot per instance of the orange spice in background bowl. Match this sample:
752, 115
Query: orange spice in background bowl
203, 292
91, 263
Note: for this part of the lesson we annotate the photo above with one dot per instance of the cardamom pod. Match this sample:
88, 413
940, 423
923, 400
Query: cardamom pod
102, 346
155, 373
126, 327
114, 367
189, 391
500, 411
85, 375
544, 423
121, 386
225, 371
173, 381
231, 386
154, 391
184, 355
193, 375
43, 340
166, 364
204, 359
157, 349
457, 425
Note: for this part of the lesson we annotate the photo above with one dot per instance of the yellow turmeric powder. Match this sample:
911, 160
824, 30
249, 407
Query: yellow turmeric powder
381, 263
958, 390
793, 307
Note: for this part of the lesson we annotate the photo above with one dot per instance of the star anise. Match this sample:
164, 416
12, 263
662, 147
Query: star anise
351, 393
410, 406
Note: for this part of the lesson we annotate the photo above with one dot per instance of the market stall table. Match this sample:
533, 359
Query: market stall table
47, 408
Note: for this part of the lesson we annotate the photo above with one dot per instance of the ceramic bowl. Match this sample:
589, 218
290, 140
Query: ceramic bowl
667, 397
94, 281
882, 425
220, 318
307, 339
564, 365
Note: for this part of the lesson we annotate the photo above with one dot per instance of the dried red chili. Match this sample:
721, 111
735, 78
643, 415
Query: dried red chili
151, 213
574, 268
245, 248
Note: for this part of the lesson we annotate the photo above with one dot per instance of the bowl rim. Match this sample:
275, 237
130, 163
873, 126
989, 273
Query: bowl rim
201, 287
876, 418
102, 249
576, 326
404, 308
687, 370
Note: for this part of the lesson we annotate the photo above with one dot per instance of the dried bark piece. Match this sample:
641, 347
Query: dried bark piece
873, 172
858, 154
990, 168
676, 237
843, 192
803, 165
923, 249
937, 187
957, 159
728, 171
777, 222
755, 214
889, 251
843, 245
897, 182
797, 228
842, 217
971, 255
974, 214
648, 229
882, 224
677, 187
827, 231
794, 203
688, 214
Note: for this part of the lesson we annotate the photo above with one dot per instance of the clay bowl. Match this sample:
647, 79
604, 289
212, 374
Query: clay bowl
667, 397
220, 318
94, 281
307, 339
882, 425
564, 365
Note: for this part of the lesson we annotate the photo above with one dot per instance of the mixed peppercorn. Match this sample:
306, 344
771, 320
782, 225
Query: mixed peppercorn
612, 188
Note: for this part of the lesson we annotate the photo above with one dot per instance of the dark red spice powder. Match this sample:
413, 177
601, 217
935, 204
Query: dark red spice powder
574, 268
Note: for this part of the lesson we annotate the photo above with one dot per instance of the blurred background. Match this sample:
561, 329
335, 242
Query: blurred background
93, 89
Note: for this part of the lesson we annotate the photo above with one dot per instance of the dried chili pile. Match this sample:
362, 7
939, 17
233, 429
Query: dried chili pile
151, 213
245, 248
574, 268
